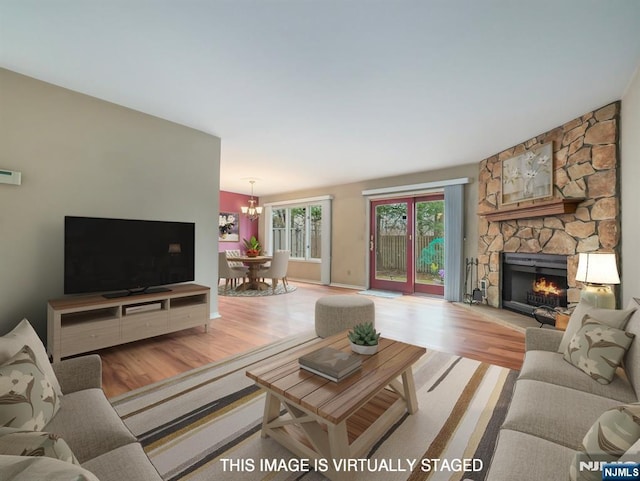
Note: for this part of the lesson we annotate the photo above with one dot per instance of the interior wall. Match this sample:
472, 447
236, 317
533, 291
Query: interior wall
350, 238
304, 271
82, 156
231, 202
629, 174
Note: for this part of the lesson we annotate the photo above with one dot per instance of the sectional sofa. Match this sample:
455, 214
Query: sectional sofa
57, 423
565, 418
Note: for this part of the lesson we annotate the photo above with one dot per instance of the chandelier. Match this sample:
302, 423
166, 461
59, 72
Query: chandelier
252, 211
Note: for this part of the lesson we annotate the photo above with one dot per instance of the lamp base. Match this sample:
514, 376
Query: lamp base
599, 295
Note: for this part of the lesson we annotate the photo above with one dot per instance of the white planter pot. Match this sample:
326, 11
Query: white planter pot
368, 350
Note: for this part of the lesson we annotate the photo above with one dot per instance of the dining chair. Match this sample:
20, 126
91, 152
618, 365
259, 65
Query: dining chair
236, 265
277, 269
225, 271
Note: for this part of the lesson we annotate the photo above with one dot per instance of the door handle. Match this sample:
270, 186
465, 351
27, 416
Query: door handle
371, 246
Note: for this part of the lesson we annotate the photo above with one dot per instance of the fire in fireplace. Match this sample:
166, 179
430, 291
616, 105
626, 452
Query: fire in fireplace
533, 280
546, 293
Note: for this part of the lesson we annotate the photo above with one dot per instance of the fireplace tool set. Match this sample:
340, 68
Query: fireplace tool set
473, 294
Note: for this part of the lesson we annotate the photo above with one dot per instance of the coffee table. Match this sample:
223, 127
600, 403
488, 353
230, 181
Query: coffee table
329, 420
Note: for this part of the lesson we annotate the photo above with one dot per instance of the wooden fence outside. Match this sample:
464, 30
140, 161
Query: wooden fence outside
297, 246
392, 253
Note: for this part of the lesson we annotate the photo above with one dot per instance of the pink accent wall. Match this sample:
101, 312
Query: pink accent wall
231, 202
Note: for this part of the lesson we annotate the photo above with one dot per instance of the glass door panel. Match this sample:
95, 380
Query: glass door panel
390, 246
429, 245
406, 245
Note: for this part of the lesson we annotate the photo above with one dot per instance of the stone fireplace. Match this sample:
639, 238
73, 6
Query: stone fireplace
583, 215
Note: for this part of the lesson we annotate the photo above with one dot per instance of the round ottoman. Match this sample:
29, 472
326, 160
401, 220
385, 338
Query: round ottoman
337, 313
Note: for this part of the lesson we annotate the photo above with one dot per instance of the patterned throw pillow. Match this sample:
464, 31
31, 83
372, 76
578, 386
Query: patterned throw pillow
35, 443
27, 398
610, 437
632, 455
611, 317
598, 349
24, 335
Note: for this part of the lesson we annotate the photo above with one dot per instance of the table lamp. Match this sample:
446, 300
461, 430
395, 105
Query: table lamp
598, 271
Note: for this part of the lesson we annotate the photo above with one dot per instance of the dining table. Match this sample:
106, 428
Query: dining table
254, 263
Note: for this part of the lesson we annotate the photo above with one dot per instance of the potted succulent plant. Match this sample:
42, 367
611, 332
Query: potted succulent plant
364, 338
252, 246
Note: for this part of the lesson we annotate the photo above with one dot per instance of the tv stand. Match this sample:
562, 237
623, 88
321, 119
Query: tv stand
81, 324
135, 292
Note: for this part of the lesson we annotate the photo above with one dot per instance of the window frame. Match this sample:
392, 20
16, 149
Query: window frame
324, 203
289, 219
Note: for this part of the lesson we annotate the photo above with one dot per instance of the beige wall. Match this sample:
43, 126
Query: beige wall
349, 236
82, 156
302, 270
630, 173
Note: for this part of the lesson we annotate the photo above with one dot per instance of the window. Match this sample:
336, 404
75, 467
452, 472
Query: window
298, 232
315, 238
279, 229
298, 229
303, 227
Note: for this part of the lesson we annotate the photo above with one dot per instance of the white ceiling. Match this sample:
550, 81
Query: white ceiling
314, 93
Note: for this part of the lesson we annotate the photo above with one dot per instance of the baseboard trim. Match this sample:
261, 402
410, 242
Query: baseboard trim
305, 281
347, 286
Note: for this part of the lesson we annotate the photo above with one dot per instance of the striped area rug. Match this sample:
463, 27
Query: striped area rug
205, 425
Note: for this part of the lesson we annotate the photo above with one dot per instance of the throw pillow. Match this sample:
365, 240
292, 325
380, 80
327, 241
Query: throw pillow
598, 349
610, 317
610, 437
35, 443
27, 398
24, 335
632, 455
27, 468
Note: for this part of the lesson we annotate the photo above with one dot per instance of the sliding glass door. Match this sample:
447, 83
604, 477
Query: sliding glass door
406, 245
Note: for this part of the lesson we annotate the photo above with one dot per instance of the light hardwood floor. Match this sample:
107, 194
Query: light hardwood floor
247, 323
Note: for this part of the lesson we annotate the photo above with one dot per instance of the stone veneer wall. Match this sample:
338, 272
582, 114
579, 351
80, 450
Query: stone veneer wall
585, 163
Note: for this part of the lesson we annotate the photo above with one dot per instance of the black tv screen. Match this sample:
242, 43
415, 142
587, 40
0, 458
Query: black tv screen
126, 255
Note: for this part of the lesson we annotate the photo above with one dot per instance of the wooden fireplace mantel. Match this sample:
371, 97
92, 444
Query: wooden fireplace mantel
554, 207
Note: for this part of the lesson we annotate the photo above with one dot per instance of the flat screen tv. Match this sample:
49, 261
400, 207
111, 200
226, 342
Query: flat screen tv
129, 256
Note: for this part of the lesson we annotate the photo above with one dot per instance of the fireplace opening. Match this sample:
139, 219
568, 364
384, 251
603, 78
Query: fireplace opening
530, 281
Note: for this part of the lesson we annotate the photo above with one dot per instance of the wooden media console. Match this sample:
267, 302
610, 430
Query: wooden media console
86, 323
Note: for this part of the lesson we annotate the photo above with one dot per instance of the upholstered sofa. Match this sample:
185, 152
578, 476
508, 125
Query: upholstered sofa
82, 439
556, 423
91, 427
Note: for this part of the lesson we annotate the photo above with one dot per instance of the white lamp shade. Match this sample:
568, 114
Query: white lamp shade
597, 268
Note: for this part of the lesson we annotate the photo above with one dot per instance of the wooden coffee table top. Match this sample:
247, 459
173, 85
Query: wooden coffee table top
334, 402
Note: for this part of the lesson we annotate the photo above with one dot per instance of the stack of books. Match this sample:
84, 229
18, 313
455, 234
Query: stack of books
330, 363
